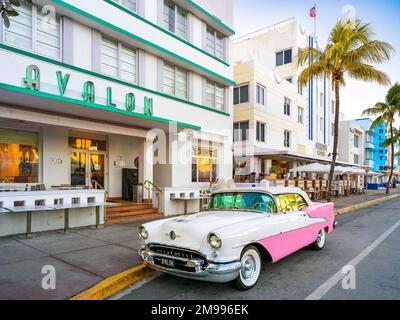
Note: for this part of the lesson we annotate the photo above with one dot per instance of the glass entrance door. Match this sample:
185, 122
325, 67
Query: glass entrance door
78, 168
88, 169
97, 170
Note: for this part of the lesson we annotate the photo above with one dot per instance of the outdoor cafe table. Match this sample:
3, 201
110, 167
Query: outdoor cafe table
28, 211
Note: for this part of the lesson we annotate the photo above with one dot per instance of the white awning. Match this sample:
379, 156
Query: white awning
313, 168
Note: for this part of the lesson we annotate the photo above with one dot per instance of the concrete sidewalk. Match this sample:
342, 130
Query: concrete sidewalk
344, 202
83, 257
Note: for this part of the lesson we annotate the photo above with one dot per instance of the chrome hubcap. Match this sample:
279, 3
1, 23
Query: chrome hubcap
321, 236
249, 267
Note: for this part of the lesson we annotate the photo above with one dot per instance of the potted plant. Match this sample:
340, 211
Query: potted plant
274, 172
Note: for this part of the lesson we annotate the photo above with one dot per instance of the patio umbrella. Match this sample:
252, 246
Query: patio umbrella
313, 168
344, 170
373, 173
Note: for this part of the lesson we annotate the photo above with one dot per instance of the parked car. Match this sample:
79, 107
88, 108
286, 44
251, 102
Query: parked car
242, 226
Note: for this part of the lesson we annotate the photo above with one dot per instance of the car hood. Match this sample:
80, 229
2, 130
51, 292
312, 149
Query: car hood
191, 231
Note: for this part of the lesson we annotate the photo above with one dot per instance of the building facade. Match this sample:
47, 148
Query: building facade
353, 148
89, 88
287, 125
377, 156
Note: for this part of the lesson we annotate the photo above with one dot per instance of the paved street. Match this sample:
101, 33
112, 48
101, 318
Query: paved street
368, 237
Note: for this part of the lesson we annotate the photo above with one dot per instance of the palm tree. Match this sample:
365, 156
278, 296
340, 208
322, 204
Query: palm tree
351, 51
386, 113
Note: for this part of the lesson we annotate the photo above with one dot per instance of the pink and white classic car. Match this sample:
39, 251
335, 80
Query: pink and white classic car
242, 227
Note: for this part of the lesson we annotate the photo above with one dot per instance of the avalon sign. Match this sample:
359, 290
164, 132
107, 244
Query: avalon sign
32, 82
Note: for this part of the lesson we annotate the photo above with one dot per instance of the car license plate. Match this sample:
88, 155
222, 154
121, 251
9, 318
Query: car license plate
167, 262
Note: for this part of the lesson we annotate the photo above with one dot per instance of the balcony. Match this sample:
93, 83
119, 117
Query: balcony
369, 163
369, 145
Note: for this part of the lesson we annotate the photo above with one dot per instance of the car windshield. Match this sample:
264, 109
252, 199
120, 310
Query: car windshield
243, 201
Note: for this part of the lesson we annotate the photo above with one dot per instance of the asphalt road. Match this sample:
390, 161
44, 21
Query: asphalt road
368, 239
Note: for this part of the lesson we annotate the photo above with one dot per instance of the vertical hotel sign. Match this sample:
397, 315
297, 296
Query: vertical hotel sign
381, 154
32, 82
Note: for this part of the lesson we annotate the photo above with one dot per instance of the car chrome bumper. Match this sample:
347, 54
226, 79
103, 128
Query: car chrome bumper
214, 272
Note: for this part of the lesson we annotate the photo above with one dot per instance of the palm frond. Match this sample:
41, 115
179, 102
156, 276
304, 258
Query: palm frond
314, 70
378, 121
371, 52
305, 55
393, 96
366, 72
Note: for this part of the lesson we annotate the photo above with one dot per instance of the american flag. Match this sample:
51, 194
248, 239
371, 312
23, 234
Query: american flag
313, 12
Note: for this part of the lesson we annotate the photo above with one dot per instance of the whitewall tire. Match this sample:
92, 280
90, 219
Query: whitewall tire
320, 241
251, 268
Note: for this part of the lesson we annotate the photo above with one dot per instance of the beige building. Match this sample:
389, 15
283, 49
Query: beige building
276, 121
351, 143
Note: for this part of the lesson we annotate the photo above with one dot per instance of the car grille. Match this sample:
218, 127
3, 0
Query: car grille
178, 253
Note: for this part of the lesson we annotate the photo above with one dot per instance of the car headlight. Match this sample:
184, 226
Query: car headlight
214, 241
143, 233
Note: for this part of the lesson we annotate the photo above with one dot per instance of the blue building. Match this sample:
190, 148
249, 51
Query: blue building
376, 155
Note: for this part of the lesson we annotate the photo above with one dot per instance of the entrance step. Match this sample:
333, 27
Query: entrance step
131, 212
135, 218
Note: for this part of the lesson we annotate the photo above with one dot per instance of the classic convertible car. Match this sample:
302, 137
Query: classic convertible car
242, 226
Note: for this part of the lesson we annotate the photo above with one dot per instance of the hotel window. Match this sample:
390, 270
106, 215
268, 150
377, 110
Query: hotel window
260, 132
300, 115
204, 164
356, 139
35, 30
215, 43
321, 124
286, 139
175, 81
241, 131
260, 94
118, 61
175, 19
332, 129
241, 94
130, 4
299, 88
321, 98
284, 57
333, 107
215, 96
356, 159
19, 156
286, 106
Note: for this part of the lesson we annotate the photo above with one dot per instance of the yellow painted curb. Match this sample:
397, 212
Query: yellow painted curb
365, 204
115, 283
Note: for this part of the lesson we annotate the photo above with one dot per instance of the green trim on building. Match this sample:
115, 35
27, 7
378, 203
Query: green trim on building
50, 96
146, 42
108, 78
211, 16
115, 4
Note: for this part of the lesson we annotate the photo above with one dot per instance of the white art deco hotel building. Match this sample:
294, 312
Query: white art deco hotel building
90, 88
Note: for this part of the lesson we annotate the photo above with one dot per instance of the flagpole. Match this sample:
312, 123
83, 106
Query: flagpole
315, 25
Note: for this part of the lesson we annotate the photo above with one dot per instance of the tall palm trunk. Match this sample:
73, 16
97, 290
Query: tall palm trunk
335, 139
392, 157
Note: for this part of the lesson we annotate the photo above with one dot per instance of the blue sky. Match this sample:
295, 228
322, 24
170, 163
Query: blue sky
384, 15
